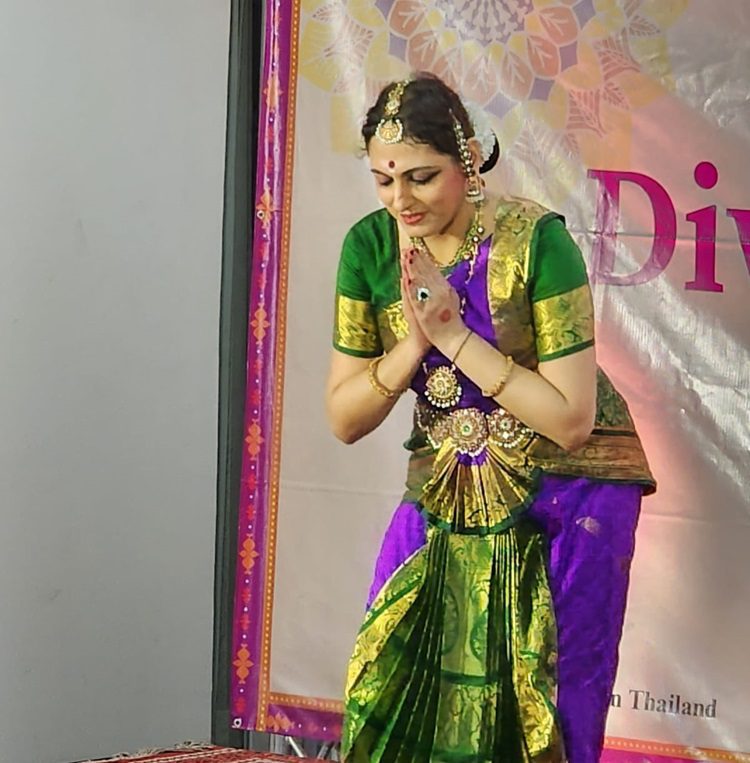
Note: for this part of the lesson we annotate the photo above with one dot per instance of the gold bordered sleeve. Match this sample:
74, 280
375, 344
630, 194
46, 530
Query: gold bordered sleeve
355, 322
562, 307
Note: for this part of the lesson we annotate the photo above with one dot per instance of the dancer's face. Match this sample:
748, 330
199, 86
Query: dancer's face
423, 189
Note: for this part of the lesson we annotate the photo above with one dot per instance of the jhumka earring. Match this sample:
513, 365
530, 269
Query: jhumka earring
390, 129
474, 189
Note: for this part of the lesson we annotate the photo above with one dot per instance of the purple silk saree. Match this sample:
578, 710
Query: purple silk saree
591, 528
495, 614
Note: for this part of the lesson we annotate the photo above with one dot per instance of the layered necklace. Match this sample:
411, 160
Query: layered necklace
467, 249
442, 387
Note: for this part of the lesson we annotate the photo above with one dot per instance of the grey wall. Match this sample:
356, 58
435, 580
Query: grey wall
112, 118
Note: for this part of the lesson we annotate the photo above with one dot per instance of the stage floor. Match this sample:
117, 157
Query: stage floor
202, 755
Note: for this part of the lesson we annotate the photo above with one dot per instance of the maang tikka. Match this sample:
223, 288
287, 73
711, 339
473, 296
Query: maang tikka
474, 189
390, 129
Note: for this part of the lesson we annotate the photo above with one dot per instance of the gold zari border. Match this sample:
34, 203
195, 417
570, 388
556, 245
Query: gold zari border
355, 326
563, 322
608, 457
392, 324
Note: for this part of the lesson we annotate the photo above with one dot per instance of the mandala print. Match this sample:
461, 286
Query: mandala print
560, 78
483, 20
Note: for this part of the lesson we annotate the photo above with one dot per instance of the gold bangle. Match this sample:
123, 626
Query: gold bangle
381, 389
502, 381
461, 346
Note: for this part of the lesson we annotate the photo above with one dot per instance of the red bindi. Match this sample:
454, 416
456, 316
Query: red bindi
391, 164
445, 316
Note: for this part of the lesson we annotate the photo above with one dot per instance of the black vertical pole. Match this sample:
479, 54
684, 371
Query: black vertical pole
245, 49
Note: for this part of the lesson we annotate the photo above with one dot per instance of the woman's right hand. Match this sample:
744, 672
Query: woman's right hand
416, 335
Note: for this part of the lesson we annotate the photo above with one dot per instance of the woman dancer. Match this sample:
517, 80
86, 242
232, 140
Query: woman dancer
495, 614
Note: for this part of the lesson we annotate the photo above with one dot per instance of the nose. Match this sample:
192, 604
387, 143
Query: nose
402, 197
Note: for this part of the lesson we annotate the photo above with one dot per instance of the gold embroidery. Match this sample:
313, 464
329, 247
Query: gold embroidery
469, 616
564, 323
356, 328
507, 273
612, 453
455, 623
612, 458
455, 495
392, 324
386, 612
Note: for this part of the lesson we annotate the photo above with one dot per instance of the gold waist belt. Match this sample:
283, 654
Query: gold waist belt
471, 429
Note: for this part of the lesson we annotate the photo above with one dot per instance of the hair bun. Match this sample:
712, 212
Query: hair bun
483, 132
492, 159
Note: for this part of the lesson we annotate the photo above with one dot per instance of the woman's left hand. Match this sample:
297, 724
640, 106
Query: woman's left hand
439, 316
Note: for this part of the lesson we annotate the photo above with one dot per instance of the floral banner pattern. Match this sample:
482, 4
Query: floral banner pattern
604, 110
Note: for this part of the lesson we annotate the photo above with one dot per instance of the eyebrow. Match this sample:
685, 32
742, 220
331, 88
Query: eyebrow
406, 172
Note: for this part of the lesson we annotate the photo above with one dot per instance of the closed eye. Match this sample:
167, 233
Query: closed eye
417, 176
423, 180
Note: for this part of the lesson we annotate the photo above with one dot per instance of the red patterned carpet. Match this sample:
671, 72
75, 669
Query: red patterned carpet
204, 755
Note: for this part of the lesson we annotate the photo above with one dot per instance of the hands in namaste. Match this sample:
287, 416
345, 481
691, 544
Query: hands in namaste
431, 306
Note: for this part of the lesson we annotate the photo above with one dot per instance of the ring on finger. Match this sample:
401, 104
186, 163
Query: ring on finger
423, 294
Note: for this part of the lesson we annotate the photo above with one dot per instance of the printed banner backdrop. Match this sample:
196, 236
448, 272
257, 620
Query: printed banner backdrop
632, 118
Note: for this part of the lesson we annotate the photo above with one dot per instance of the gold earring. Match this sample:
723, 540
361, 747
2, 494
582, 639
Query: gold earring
474, 189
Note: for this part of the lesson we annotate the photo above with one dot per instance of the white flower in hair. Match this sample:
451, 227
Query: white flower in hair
483, 131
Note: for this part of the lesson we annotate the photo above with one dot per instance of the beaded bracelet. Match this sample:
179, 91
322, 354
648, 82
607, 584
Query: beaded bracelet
381, 389
502, 381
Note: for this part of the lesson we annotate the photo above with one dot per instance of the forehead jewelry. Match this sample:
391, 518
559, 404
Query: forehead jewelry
390, 129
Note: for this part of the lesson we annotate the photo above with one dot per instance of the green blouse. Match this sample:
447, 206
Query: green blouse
368, 316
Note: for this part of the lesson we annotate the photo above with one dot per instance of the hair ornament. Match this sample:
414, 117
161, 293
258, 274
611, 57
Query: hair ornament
483, 131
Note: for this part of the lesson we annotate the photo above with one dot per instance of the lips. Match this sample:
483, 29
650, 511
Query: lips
413, 219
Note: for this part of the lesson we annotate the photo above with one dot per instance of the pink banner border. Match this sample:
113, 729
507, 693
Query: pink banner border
253, 600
